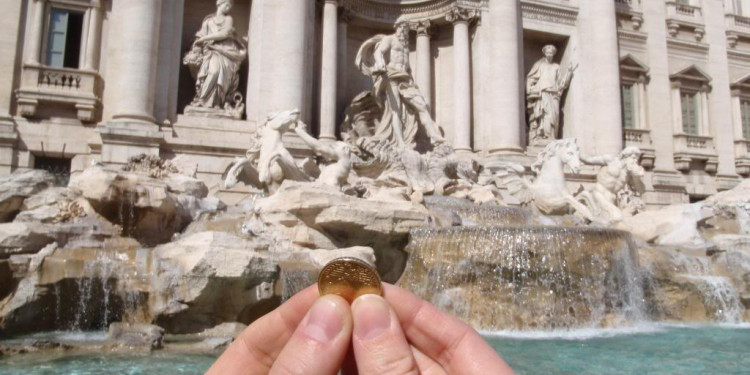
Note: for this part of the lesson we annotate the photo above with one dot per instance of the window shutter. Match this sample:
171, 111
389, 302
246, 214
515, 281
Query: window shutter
627, 107
745, 111
58, 29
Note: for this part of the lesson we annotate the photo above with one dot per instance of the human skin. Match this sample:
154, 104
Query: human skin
398, 334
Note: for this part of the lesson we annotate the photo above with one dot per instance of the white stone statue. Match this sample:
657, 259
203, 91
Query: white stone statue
548, 191
268, 163
545, 85
616, 173
385, 59
338, 154
214, 62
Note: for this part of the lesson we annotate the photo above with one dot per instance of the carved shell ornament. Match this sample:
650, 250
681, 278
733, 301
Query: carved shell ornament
389, 11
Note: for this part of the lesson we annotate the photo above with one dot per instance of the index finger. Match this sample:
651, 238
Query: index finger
257, 347
443, 337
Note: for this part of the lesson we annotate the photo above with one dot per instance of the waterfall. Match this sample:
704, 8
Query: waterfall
525, 278
719, 297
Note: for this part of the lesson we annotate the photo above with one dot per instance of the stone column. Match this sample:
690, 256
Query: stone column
35, 39
290, 46
345, 16
136, 57
93, 40
600, 72
10, 24
461, 78
506, 126
328, 76
718, 100
423, 76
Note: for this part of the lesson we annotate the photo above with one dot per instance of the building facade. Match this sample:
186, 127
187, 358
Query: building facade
104, 80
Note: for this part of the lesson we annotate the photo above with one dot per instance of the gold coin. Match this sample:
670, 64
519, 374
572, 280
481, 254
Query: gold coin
349, 278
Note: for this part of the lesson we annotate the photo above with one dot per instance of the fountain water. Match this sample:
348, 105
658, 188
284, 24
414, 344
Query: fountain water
527, 277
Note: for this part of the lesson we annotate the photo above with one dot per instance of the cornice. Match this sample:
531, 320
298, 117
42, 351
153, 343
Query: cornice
389, 12
549, 12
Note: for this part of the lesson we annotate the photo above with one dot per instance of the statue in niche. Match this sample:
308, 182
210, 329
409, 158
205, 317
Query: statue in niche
618, 174
214, 62
385, 59
545, 85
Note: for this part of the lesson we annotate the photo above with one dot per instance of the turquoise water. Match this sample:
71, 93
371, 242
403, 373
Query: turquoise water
654, 351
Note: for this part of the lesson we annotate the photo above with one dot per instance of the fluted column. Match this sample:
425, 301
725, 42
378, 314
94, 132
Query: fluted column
461, 77
136, 56
35, 39
504, 134
93, 41
328, 72
601, 74
423, 74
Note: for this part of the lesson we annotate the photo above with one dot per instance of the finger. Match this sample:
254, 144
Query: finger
427, 366
379, 343
443, 337
257, 347
321, 341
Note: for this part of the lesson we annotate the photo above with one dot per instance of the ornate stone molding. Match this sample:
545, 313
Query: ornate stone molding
390, 12
422, 27
345, 14
459, 14
546, 12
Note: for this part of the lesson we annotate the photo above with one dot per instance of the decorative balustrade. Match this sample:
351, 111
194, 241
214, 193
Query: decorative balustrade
81, 88
688, 148
683, 15
737, 27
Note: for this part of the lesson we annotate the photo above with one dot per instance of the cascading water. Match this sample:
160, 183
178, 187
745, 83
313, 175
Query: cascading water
721, 297
524, 278
472, 214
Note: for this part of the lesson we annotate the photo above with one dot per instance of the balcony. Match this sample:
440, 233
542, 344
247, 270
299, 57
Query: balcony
79, 88
689, 148
630, 10
738, 27
742, 156
683, 16
641, 138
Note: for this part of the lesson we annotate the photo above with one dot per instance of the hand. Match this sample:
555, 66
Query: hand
400, 334
301, 126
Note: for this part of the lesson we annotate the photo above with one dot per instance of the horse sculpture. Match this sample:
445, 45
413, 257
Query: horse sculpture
548, 192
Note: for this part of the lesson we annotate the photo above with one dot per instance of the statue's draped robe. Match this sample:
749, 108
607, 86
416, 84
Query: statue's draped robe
218, 76
543, 106
383, 94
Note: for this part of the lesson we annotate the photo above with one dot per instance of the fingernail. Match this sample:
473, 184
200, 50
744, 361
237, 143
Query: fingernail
324, 322
371, 315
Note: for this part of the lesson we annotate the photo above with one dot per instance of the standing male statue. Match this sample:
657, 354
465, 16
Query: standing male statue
545, 85
385, 59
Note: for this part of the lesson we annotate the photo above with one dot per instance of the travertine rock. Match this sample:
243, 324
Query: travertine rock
21, 238
148, 209
672, 225
209, 278
15, 188
312, 209
135, 335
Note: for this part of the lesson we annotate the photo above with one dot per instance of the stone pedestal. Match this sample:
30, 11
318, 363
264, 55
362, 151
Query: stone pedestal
124, 139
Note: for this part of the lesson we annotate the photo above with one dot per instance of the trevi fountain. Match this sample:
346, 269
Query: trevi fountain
142, 262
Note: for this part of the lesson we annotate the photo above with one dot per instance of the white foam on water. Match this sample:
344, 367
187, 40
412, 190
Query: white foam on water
595, 333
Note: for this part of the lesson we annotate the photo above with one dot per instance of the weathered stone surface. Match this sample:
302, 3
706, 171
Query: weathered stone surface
15, 188
21, 238
733, 204
20, 310
209, 278
345, 221
228, 329
149, 209
135, 335
672, 225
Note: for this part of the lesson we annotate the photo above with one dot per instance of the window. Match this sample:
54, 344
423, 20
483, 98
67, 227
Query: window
59, 167
64, 38
690, 112
628, 107
745, 113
